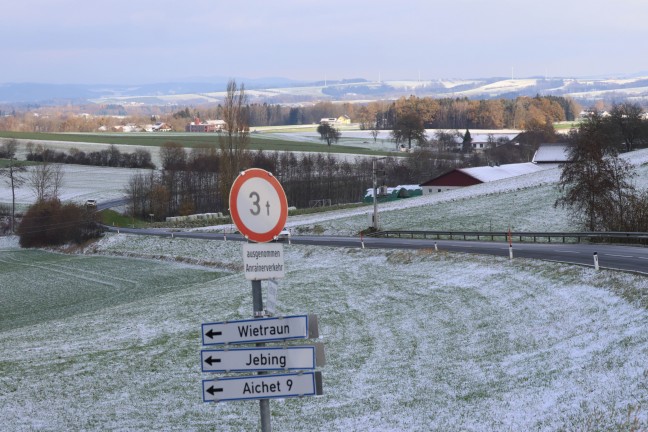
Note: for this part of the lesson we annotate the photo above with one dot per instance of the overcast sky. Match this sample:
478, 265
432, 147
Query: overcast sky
145, 41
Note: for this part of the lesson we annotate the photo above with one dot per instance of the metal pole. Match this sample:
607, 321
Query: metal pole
375, 198
257, 303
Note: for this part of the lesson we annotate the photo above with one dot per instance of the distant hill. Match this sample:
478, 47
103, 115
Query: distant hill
283, 90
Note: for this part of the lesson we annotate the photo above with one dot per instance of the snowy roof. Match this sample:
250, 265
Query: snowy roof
483, 137
492, 173
551, 153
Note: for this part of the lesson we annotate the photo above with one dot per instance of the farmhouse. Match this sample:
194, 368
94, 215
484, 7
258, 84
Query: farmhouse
161, 127
342, 120
481, 142
462, 177
206, 126
131, 127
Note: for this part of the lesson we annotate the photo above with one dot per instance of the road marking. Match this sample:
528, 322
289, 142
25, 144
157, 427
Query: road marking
620, 256
646, 258
565, 251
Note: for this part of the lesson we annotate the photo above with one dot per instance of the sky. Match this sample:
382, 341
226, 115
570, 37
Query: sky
145, 41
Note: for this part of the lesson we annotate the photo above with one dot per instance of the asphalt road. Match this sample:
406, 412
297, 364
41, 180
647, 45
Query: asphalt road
103, 205
627, 258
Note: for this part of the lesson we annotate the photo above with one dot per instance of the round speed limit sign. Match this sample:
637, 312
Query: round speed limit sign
258, 205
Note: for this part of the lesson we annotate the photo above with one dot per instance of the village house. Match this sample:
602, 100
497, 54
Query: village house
342, 120
206, 126
161, 127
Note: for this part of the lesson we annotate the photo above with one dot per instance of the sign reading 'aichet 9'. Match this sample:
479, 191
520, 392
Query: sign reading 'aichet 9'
258, 205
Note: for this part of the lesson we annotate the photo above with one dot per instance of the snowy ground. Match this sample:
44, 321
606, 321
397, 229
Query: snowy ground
415, 341
80, 182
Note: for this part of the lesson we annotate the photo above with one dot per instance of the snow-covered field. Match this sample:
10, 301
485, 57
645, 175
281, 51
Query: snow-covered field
110, 339
80, 182
414, 340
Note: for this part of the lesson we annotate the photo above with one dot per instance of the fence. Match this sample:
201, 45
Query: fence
522, 236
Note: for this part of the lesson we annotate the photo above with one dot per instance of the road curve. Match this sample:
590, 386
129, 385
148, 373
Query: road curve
615, 257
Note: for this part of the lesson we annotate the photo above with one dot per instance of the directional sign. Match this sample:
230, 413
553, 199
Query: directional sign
260, 330
262, 359
258, 205
263, 387
263, 261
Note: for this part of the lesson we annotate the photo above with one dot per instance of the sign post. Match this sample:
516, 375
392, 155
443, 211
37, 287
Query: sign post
264, 404
259, 209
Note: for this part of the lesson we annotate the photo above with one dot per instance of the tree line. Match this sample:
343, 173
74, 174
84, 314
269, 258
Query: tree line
110, 157
190, 181
444, 113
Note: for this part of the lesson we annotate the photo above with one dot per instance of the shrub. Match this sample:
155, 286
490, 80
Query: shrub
50, 223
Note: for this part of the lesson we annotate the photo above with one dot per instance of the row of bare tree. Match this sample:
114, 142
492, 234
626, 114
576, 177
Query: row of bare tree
190, 182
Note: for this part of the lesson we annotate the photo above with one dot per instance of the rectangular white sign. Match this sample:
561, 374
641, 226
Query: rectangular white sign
263, 387
260, 330
271, 298
263, 261
260, 359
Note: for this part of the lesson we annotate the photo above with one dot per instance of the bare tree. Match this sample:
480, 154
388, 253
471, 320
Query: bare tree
374, 132
13, 175
234, 143
46, 180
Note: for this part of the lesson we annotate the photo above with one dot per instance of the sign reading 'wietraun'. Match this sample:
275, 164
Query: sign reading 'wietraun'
260, 330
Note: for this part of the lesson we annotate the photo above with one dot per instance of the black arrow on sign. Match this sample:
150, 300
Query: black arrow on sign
211, 333
211, 390
211, 360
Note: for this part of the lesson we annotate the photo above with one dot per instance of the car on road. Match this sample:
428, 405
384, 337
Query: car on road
91, 203
283, 235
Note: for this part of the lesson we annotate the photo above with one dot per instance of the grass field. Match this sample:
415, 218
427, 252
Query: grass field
5, 163
415, 341
257, 142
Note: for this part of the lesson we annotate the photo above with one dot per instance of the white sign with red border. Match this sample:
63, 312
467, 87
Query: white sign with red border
258, 205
